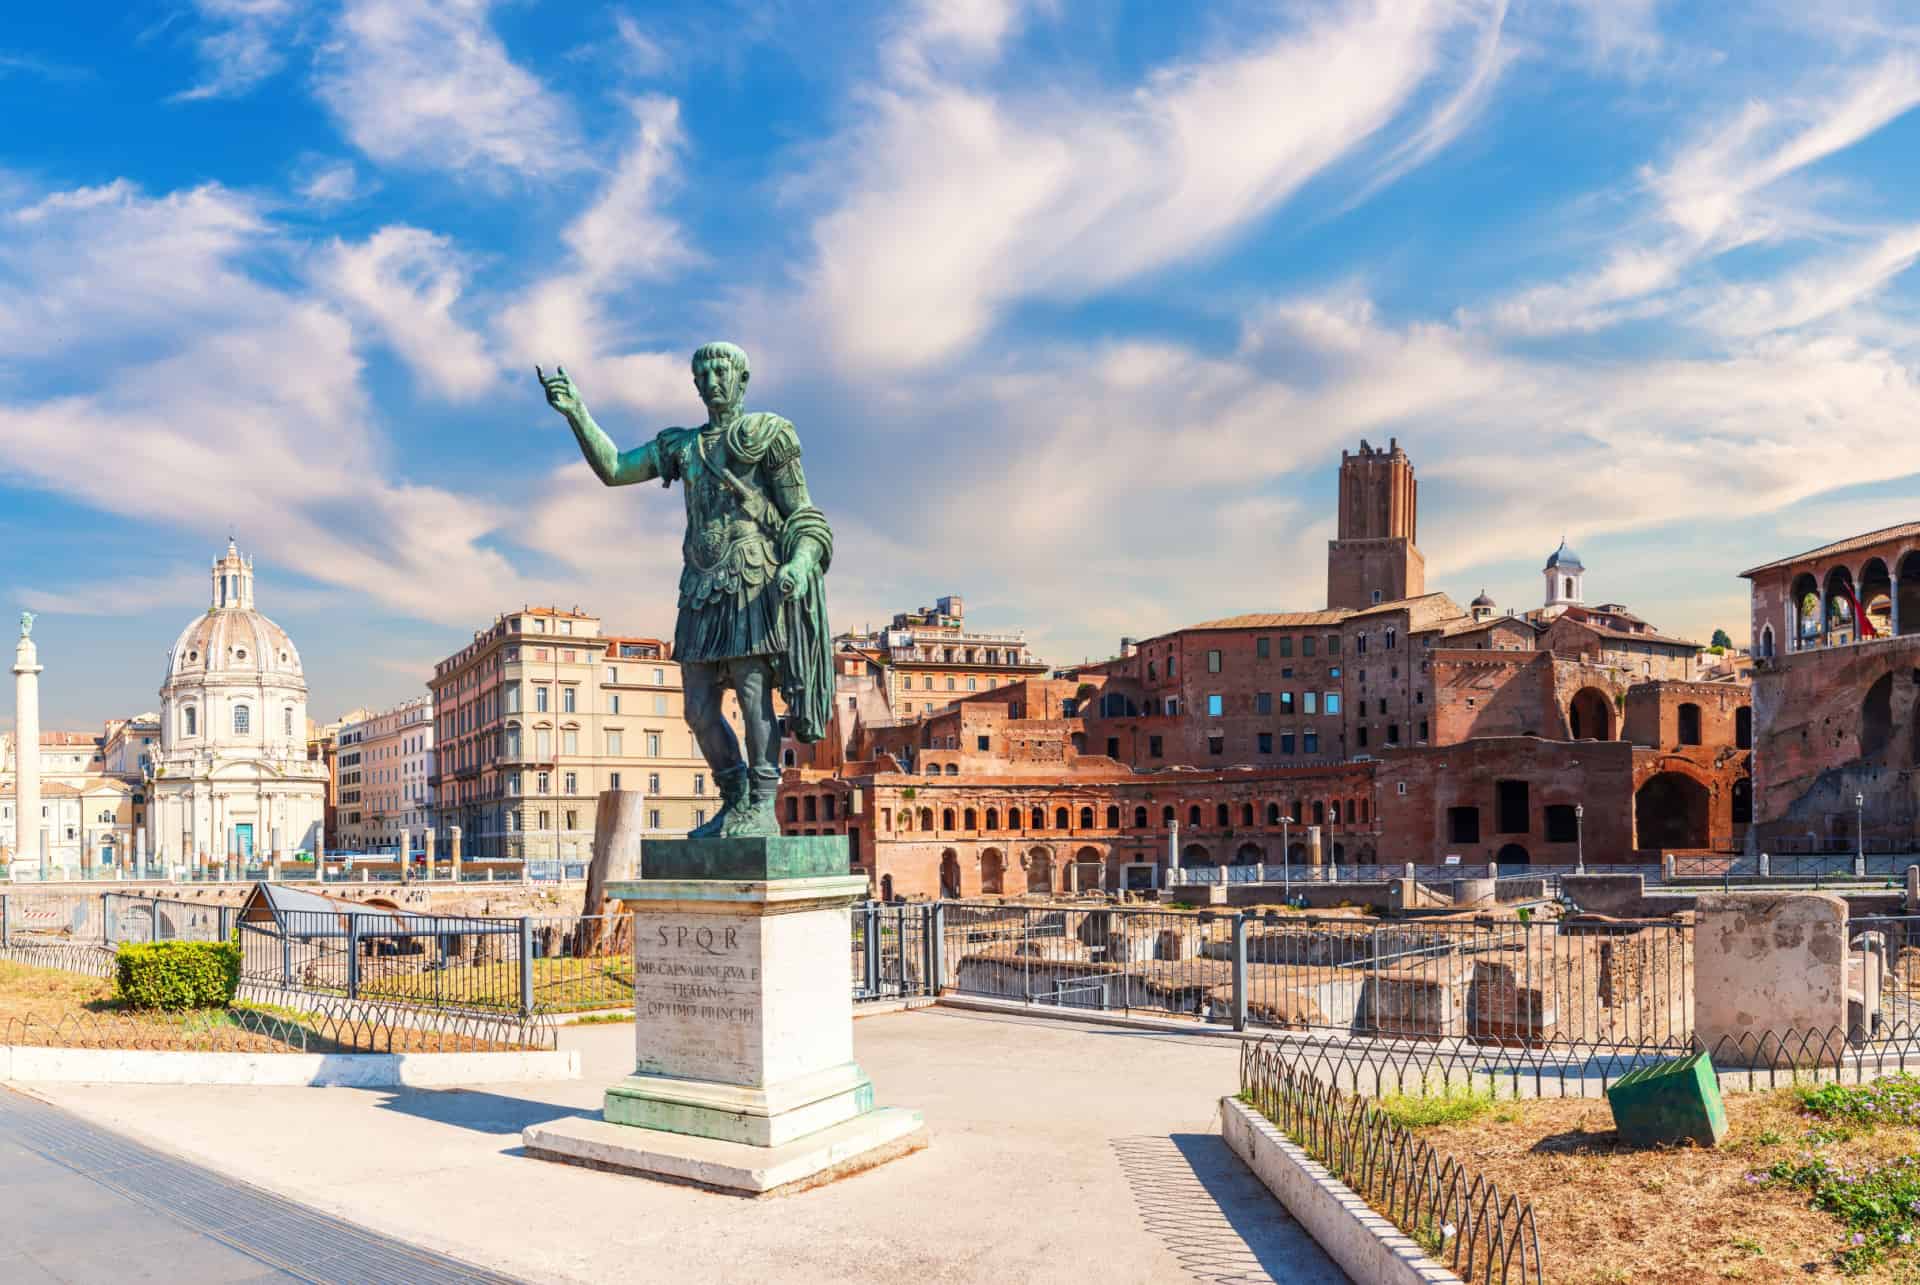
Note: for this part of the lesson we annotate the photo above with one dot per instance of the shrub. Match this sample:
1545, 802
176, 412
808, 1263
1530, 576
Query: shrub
177, 974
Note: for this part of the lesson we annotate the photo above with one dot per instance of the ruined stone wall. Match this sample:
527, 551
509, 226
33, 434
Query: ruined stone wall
1830, 723
1418, 787
1653, 713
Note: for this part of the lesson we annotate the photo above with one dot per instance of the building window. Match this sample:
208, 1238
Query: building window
1286, 702
287, 721
699, 784
1463, 825
983, 742
1286, 742
1393, 733
613, 673
570, 741
1360, 734
1216, 745
1333, 644
542, 783
567, 696
1423, 729
1306, 645
1512, 814
1333, 702
242, 720
699, 817
1263, 702
1310, 743
540, 700
1113, 747
513, 699
1562, 825
616, 743
1262, 647
653, 745
190, 721
1213, 705
613, 702
1309, 702
1213, 662
1265, 740
653, 818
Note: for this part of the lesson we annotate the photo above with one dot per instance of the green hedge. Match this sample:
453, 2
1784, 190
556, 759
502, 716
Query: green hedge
177, 974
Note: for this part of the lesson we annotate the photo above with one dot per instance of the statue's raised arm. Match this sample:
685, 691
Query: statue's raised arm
612, 465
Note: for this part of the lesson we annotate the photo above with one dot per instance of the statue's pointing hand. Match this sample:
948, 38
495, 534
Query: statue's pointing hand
561, 394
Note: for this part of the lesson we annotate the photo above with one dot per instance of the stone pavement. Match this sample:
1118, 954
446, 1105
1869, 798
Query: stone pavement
85, 1206
1059, 1152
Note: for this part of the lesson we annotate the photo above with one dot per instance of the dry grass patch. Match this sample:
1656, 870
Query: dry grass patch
1608, 1213
50, 1008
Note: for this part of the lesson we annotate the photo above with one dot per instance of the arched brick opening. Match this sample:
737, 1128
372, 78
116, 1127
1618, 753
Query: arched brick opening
1513, 855
1590, 715
1876, 718
1671, 811
949, 873
1039, 870
1248, 854
993, 871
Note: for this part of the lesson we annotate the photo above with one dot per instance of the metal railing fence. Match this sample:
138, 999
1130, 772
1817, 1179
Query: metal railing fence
1491, 980
1462, 1219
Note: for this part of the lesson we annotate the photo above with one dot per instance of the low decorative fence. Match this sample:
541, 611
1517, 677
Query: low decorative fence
1463, 1220
1487, 980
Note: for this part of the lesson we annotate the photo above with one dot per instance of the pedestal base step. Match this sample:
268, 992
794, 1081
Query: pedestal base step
860, 1143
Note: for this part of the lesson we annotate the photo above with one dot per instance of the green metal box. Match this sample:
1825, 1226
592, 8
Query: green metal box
1669, 1102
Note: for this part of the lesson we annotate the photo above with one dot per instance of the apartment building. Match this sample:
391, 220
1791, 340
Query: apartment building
385, 761
538, 715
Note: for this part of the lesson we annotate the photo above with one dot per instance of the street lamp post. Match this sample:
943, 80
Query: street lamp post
1580, 838
1859, 836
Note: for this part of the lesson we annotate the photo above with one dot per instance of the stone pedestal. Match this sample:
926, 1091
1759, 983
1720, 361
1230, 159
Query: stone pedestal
744, 1074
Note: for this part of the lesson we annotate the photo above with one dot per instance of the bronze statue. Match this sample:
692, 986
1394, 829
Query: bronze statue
753, 610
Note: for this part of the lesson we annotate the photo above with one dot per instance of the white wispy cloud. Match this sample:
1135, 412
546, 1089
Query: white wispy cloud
1717, 193
429, 84
230, 401
623, 237
406, 282
241, 43
959, 200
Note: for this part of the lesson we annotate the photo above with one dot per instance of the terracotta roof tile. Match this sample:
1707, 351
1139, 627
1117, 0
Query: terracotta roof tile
1848, 545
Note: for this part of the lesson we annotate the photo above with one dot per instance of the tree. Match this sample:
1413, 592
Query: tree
1720, 638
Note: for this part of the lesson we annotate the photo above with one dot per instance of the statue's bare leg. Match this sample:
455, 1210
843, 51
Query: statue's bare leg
704, 685
753, 683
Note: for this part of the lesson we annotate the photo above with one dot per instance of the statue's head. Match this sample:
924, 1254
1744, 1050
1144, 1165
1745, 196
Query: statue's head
720, 373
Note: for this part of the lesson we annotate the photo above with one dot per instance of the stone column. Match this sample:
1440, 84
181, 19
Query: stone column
26, 747
1313, 852
46, 854
1173, 849
453, 850
405, 852
140, 848
427, 840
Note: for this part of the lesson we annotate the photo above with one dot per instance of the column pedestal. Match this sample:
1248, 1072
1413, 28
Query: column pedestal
745, 1078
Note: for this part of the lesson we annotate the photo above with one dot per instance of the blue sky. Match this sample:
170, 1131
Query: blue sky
1075, 302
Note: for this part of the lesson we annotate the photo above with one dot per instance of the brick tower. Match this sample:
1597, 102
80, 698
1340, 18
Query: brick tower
1375, 559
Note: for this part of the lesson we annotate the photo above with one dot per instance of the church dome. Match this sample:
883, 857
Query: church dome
230, 639
1484, 600
1564, 559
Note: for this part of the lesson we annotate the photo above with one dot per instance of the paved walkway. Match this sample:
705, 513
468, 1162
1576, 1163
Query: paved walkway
84, 1205
1058, 1152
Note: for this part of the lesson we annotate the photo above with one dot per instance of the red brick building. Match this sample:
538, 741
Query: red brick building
1406, 727
1836, 695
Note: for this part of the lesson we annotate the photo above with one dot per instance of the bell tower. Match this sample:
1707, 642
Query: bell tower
1374, 558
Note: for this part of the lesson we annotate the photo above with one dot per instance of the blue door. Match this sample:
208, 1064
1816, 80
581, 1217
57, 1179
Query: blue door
243, 839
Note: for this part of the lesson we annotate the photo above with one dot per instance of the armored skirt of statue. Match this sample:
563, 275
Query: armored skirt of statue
747, 512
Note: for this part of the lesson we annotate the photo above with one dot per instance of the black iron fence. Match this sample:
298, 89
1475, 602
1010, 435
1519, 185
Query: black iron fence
1460, 1218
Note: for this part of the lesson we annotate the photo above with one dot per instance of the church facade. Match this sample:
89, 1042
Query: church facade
231, 775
